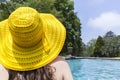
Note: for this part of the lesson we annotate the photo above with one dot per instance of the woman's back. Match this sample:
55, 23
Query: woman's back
56, 70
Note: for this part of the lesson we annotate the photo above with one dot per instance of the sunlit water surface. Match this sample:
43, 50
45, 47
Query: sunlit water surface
95, 69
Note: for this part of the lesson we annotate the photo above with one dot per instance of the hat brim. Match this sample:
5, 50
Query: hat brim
24, 59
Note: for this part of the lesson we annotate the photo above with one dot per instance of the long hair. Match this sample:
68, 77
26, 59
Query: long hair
43, 73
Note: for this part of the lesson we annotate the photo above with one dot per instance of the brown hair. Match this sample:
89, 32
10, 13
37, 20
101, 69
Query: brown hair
43, 73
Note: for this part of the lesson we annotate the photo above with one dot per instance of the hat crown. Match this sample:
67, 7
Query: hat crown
24, 24
23, 18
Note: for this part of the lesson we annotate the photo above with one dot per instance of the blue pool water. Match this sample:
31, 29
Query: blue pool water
95, 69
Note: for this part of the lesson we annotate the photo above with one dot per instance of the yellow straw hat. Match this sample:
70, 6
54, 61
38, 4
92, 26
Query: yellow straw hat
30, 40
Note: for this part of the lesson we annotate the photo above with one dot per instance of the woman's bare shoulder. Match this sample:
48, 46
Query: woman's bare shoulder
3, 73
60, 64
62, 67
58, 60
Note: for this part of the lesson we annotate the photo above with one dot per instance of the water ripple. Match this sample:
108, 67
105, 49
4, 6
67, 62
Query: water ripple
95, 69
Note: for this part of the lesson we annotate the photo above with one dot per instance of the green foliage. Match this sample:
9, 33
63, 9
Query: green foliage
111, 47
72, 24
90, 47
62, 9
106, 46
98, 46
4, 10
109, 34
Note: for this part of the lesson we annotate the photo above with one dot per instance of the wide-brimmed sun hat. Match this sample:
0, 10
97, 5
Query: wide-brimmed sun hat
29, 39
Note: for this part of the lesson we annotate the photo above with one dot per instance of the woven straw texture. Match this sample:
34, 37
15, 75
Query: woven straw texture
30, 40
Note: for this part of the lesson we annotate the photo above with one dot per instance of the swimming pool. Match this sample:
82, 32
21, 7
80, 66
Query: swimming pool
95, 69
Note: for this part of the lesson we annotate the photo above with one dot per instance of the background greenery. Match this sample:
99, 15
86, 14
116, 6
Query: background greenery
104, 46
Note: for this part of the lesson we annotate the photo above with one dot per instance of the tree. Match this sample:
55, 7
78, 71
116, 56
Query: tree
72, 24
112, 46
109, 34
4, 10
90, 47
98, 47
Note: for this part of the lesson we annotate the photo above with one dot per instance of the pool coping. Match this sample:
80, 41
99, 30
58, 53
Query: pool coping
107, 58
